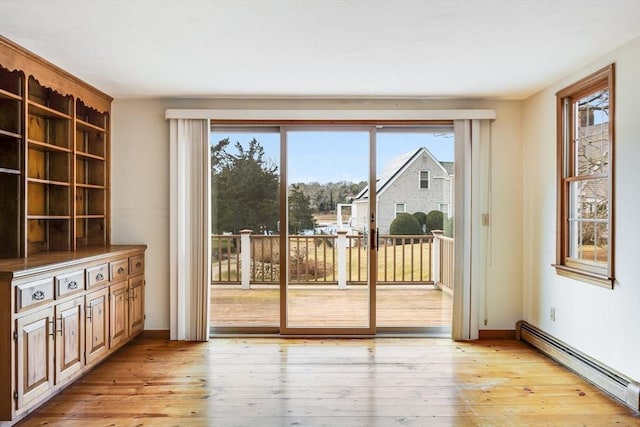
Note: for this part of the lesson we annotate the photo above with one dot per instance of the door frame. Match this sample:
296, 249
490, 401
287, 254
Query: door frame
465, 325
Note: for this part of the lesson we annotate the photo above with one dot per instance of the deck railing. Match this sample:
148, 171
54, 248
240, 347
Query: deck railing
340, 260
444, 261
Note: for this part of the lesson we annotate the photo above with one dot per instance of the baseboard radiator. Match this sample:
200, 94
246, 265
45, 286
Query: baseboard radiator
619, 386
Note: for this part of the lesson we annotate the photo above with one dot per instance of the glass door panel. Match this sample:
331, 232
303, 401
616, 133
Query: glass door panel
328, 285
414, 218
245, 209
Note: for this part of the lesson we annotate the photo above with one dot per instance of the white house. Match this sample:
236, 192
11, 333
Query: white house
412, 182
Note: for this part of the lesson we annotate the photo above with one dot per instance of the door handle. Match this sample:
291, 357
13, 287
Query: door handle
375, 238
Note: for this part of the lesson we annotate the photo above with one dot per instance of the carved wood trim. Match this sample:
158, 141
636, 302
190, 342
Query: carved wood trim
14, 57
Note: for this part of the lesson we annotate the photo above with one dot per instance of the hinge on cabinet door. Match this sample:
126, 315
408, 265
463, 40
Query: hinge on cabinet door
15, 335
15, 395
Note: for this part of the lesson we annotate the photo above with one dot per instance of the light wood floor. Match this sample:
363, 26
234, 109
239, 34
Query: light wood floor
397, 306
330, 382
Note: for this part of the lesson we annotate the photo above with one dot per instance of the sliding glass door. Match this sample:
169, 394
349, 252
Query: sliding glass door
245, 206
327, 288
341, 230
415, 208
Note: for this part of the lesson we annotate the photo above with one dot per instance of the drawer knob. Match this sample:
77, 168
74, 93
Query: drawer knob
138, 264
72, 285
37, 296
99, 277
121, 270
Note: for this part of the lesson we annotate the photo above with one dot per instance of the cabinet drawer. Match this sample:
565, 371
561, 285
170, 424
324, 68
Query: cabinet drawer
97, 275
69, 283
136, 264
34, 293
119, 269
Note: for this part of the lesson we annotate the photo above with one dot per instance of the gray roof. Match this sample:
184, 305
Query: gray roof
448, 166
396, 165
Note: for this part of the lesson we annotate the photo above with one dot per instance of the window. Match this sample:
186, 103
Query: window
401, 208
444, 208
585, 181
424, 179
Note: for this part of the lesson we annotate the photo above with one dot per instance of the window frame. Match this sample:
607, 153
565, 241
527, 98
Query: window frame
566, 265
395, 208
420, 180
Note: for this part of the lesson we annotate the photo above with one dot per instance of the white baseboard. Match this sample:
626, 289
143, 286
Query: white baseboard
616, 384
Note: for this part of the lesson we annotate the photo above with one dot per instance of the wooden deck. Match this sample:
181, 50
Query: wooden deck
397, 306
330, 382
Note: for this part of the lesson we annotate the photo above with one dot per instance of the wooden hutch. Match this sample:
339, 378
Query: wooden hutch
68, 298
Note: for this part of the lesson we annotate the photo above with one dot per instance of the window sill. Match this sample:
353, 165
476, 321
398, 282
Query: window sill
585, 276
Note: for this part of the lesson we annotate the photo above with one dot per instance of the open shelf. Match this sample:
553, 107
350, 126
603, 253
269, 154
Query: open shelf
10, 115
10, 153
90, 202
11, 82
48, 165
10, 215
90, 117
48, 101
48, 234
90, 143
49, 130
47, 199
90, 172
91, 231
54, 159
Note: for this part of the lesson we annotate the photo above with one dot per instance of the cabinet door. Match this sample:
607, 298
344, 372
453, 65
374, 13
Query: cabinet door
118, 314
69, 338
34, 356
96, 325
136, 304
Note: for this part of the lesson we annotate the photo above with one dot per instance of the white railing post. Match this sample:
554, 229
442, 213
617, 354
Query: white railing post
437, 256
245, 258
341, 254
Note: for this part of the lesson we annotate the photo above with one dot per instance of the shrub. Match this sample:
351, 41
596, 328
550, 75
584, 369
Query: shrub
405, 223
434, 221
421, 217
448, 227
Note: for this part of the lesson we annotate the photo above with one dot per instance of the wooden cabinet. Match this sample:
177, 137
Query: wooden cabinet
136, 304
69, 338
97, 325
60, 314
34, 357
119, 314
67, 298
54, 157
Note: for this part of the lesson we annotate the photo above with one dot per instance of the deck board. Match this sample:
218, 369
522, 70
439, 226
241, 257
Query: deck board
397, 306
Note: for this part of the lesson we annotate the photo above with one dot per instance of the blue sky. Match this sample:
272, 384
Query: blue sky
341, 155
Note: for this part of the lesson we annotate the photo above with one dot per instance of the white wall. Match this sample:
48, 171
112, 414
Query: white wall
140, 191
601, 322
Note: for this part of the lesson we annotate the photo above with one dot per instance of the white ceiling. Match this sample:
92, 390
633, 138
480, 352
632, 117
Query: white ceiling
316, 48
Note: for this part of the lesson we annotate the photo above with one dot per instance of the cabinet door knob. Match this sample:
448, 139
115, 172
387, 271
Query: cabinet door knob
121, 270
99, 277
72, 285
138, 264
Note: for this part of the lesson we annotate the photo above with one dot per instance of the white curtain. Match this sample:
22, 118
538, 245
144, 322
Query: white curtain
190, 229
472, 193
